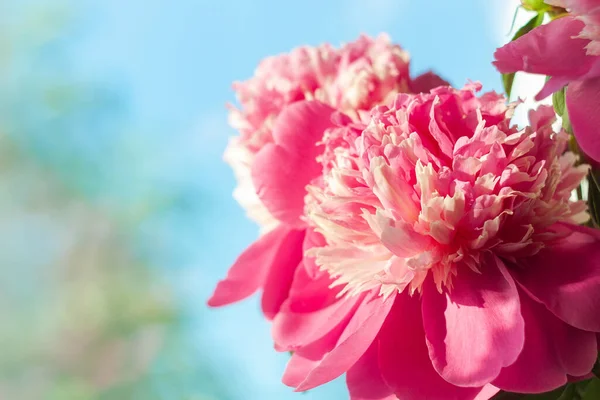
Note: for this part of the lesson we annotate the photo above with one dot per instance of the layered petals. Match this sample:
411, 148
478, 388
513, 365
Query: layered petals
282, 169
404, 359
365, 380
277, 252
354, 341
552, 351
476, 328
565, 277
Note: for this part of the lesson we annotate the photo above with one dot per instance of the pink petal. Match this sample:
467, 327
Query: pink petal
552, 85
292, 330
427, 81
309, 294
356, 339
549, 49
477, 328
583, 104
364, 379
279, 279
403, 358
552, 351
565, 277
297, 369
248, 273
281, 170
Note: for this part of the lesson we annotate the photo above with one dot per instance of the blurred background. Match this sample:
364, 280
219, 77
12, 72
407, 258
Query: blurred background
116, 209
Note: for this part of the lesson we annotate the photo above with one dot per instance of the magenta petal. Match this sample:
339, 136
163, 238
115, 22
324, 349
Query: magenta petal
356, 339
279, 279
552, 351
552, 85
475, 329
297, 369
550, 49
249, 272
583, 104
427, 81
404, 360
308, 358
311, 294
364, 379
281, 170
291, 330
565, 277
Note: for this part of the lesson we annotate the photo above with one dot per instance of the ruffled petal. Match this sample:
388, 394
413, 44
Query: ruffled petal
277, 249
281, 170
476, 328
565, 277
583, 104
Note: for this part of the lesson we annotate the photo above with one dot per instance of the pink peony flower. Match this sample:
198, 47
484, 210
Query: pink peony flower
273, 166
450, 262
568, 50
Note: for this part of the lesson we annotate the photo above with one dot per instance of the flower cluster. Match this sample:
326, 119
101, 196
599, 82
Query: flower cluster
416, 240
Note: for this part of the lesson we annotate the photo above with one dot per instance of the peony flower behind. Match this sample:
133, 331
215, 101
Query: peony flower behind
568, 50
273, 166
452, 263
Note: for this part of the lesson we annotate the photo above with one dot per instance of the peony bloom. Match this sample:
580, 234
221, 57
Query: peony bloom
273, 166
568, 50
451, 261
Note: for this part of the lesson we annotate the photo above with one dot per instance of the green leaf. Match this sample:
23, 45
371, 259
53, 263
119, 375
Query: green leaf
508, 79
536, 5
558, 101
557, 394
594, 207
592, 390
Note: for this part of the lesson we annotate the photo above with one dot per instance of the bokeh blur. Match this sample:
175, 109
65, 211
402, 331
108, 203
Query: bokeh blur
115, 207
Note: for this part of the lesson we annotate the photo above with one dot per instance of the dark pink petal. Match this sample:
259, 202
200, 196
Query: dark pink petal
552, 351
281, 170
248, 273
356, 339
565, 277
308, 358
552, 85
309, 294
403, 358
292, 330
364, 379
550, 49
427, 81
279, 279
583, 104
475, 329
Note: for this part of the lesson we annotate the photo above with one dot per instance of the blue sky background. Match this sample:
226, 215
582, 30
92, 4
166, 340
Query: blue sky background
174, 62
